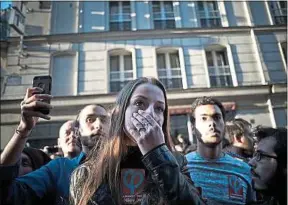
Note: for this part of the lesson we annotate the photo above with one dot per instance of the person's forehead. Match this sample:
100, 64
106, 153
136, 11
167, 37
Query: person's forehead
93, 110
24, 156
267, 145
207, 110
150, 91
68, 125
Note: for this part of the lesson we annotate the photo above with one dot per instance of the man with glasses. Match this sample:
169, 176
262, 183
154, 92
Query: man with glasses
269, 165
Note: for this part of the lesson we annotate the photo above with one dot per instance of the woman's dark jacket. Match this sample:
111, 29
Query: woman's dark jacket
167, 179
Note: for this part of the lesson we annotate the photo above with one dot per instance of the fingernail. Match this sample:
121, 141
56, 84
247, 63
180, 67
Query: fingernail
134, 114
140, 111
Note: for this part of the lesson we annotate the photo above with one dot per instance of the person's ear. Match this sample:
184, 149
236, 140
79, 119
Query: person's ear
238, 139
59, 142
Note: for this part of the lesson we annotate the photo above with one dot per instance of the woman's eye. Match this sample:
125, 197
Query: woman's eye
204, 118
160, 109
139, 103
25, 164
90, 120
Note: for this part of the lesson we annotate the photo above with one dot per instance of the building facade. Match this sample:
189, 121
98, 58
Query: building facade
232, 50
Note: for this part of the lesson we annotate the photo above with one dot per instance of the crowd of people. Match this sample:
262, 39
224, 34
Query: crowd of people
126, 155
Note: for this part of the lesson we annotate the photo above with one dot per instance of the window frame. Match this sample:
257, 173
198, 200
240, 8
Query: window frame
120, 20
163, 15
276, 6
167, 51
206, 15
229, 58
120, 53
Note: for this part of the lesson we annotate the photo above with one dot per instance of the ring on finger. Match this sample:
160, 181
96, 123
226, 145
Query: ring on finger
142, 128
145, 124
23, 102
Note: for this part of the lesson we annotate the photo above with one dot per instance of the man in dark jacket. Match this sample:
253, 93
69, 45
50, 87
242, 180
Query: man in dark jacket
53, 179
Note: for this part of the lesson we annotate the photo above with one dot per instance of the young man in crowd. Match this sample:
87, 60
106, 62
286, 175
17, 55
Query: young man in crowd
223, 179
68, 140
269, 166
53, 179
240, 139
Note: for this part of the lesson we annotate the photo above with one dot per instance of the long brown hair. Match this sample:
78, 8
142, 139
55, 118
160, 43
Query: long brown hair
103, 165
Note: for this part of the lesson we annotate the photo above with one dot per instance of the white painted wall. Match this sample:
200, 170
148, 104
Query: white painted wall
235, 12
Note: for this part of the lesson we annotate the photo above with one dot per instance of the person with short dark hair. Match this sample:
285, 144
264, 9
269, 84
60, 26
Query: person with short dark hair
240, 137
92, 124
31, 160
223, 179
51, 180
269, 165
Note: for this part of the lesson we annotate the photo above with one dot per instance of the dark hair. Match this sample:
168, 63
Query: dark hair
38, 158
103, 165
237, 128
76, 123
206, 101
280, 135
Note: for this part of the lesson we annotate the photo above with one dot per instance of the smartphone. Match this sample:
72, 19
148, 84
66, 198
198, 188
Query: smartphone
44, 82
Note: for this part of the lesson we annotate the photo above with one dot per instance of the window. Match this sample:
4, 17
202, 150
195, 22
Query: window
279, 11
208, 14
284, 50
163, 15
63, 74
169, 70
121, 71
14, 80
120, 16
218, 68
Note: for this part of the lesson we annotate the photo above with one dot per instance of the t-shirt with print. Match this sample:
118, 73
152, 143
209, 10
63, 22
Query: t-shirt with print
225, 180
133, 177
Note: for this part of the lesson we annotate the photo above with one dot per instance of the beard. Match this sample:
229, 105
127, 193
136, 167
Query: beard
206, 144
92, 140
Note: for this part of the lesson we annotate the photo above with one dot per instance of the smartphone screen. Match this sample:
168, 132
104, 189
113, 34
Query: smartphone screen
45, 83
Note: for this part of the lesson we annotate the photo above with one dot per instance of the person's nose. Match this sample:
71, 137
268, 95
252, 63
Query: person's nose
252, 162
97, 124
73, 134
212, 123
150, 110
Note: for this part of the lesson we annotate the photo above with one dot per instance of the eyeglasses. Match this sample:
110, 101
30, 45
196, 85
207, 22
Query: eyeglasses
259, 155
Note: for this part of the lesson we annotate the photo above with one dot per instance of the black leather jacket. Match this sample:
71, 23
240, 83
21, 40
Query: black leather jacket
168, 177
